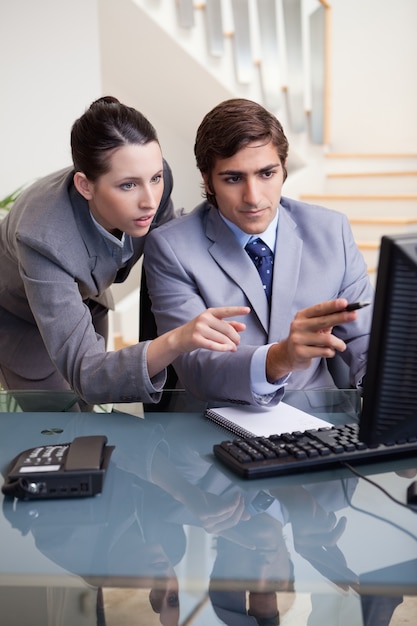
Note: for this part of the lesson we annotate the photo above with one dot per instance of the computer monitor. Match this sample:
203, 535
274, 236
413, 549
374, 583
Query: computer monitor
389, 411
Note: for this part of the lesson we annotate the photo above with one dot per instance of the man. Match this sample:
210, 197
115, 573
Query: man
200, 261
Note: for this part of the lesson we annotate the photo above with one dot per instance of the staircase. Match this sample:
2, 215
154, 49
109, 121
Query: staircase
273, 51
377, 192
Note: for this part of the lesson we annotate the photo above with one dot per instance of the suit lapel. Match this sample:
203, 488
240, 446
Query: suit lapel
287, 264
235, 262
102, 273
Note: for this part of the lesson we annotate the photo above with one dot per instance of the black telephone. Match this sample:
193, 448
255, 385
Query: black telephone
63, 470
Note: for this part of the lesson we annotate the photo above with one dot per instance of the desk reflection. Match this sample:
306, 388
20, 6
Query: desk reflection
163, 480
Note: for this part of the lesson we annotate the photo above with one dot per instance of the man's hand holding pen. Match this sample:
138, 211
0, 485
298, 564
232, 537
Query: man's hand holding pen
310, 337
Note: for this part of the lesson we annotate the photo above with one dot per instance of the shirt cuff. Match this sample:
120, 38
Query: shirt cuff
259, 384
157, 382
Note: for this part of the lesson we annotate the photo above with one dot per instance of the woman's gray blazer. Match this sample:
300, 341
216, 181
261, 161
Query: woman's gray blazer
53, 260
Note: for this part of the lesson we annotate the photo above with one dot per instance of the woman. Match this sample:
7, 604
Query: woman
66, 240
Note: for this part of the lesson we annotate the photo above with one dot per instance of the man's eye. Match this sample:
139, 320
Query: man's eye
268, 173
233, 179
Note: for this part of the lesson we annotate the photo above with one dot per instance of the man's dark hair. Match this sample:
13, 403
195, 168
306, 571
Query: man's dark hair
229, 127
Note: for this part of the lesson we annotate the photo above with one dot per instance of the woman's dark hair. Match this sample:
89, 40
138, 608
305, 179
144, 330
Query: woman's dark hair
231, 126
104, 127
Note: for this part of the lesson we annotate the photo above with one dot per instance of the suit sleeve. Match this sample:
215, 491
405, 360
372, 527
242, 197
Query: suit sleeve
176, 299
65, 325
184, 278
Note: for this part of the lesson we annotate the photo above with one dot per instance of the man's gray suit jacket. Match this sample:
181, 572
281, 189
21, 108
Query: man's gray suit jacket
196, 262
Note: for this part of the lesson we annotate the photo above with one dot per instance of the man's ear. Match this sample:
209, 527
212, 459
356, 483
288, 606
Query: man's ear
207, 187
83, 185
284, 168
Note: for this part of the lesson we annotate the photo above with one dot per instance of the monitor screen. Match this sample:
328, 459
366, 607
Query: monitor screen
389, 411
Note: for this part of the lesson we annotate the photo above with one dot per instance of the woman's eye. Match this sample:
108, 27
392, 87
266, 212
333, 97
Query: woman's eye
157, 178
127, 186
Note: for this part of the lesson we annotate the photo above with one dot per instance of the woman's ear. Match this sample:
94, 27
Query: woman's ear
83, 185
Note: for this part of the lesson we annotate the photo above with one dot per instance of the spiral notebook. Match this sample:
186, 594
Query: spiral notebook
250, 421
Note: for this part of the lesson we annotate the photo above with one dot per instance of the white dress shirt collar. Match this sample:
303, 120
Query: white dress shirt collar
269, 236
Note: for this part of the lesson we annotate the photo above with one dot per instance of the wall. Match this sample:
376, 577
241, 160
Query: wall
373, 89
49, 74
58, 56
51, 70
374, 86
144, 66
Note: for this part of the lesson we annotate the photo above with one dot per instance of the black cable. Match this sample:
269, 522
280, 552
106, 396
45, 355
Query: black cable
384, 491
374, 484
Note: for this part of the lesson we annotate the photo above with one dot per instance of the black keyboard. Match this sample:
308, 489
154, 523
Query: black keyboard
291, 453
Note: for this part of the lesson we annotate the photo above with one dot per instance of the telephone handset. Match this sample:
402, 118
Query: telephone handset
63, 470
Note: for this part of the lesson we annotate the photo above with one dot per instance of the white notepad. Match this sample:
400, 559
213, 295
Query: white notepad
249, 421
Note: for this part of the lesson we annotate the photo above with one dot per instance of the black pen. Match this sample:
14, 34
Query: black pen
356, 305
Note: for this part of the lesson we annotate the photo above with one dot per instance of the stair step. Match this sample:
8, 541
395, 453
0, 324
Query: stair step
120, 342
368, 244
370, 253
364, 230
359, 196
381, 165
378, 206
368, 174
390, 221
370, 156
371, 182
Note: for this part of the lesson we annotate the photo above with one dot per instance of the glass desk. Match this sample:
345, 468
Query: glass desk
194, 544
34, 401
